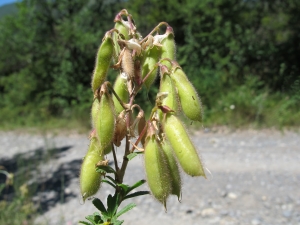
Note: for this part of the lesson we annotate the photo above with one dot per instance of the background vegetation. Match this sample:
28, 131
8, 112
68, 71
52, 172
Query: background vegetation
243, 57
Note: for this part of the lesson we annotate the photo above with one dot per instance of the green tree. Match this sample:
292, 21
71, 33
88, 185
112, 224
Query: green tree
48, 54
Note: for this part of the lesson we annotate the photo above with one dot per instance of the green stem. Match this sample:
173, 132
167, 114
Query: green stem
121, 172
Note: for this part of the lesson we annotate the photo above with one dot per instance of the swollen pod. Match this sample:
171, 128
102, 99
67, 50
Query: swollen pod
167, 85
189, 99
183, 147
173, 168
104, 56
120, 88
168, 47
90, 180
152, 56
105, 121
157, 171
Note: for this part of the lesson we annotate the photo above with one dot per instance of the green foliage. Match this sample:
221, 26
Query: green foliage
222, 43
7, 9
110, 214
19, 208
48, 55
46, 61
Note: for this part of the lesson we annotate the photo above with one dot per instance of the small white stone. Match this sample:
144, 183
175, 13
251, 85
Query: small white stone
208, 212
232, 195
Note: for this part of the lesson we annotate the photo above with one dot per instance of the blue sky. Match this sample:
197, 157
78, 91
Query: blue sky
3, 2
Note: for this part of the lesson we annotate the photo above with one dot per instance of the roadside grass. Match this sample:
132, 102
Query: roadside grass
16, 205
242, 107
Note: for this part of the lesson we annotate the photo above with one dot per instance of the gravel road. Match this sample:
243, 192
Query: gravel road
255, 179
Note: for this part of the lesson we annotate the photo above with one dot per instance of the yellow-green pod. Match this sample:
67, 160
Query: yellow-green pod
188, 97
167, 86
173, 168
107, 150
104, 57
182, 145
105, 122
152, 56
122, 28
120, 87
157, 171
168, 47
90, 180
94, 111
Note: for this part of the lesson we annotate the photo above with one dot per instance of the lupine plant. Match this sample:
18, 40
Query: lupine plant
161, 137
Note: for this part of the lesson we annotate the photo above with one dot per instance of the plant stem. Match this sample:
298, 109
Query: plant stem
121, 172
116, 162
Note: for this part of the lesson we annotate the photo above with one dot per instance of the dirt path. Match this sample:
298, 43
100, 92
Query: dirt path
255, 179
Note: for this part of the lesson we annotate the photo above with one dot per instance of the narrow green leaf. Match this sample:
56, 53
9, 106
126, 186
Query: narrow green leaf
118, 222
138, 193
108, 182
132, 155
105, 169
137, 184
112, 179
126, 209
125, 188
99, 205
112, 204
90, 218
85, 223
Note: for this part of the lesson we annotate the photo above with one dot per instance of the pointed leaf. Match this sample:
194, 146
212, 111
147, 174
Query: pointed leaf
112, 204
138, 193
132, 155
108, 182
85, 223
137, 184
90, 218
105, 169
125, 188
112, 179
99, 205
118, 222
126, 209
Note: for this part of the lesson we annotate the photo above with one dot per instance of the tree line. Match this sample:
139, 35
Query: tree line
48, 50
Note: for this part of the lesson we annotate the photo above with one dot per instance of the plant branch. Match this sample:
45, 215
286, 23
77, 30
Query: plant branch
121, 172
116, 162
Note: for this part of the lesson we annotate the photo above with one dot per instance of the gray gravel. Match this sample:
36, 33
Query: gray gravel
255, 179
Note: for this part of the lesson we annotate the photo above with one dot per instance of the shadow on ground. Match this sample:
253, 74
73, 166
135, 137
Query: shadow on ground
47, 181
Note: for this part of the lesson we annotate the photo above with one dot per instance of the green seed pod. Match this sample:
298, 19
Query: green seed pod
105, 121
168, 47
120, 88
90, 180
167, 86
189, 99
152, 56
104, 57
173, 168
107, 150
157, 171
183, 146
95, 109
122, 28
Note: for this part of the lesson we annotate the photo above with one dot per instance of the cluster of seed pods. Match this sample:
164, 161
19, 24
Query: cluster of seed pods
162, 137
